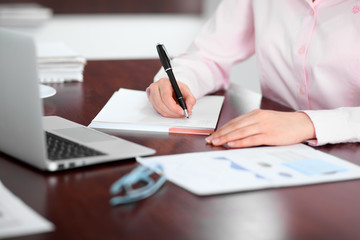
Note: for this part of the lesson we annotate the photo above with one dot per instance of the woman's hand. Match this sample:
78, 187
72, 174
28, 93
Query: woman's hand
264, 127
162, 97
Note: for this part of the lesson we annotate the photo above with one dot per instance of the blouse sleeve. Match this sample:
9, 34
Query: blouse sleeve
336, 125
225, 39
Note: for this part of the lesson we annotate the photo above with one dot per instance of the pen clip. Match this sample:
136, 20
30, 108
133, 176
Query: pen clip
164, 57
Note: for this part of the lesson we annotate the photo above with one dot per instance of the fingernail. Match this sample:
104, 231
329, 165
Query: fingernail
215, 141
231, 144
208, 139
148, 92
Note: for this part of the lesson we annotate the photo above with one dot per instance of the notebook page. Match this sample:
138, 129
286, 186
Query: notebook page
132, 107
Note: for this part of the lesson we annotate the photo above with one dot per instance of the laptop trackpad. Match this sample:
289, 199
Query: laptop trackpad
84, 134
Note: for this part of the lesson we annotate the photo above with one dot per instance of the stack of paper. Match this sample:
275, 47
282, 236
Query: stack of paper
23, 14
57, 62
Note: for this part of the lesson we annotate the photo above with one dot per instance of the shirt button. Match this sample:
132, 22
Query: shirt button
301, 50
302, 91
312, 12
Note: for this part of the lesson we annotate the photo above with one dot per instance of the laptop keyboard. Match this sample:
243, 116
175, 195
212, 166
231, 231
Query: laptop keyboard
59, 148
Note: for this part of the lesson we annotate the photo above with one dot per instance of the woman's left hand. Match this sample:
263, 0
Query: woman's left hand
264, 127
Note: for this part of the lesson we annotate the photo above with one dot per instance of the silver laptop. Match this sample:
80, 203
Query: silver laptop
25, 132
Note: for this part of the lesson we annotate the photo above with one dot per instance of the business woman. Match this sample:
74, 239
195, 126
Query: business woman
308, 54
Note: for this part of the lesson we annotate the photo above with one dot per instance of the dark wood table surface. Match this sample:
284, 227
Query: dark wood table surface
77, 201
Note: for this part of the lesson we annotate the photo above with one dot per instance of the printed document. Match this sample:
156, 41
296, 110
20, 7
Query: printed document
215, 172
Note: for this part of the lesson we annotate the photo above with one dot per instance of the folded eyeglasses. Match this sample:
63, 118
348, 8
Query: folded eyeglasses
140, 175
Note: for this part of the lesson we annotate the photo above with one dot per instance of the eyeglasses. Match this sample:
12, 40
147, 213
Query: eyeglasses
126, 184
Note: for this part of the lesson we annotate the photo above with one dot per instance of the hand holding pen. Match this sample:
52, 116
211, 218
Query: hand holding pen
169, 97
165, 61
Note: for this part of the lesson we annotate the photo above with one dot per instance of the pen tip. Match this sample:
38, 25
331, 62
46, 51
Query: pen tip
186, 113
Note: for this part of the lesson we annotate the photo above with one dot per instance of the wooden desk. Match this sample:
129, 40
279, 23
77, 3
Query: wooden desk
76, 201
116, 6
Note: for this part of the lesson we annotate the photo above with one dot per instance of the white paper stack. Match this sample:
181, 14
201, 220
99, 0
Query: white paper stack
57, 62
23, 14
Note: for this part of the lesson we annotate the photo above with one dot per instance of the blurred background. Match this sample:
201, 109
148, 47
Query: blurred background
126, 29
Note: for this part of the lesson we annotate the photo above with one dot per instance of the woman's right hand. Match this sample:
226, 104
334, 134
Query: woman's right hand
162, 97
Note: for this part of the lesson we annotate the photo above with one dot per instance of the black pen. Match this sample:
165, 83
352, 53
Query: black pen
165, 61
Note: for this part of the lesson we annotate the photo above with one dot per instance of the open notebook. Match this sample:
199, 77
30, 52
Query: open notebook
130, 110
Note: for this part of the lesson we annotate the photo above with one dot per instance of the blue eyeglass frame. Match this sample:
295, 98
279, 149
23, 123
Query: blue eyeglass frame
139, 174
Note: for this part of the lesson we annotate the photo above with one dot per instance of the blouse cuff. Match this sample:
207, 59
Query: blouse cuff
331, 126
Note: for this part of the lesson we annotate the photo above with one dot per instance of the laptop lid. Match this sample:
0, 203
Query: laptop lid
20, 106
22, 123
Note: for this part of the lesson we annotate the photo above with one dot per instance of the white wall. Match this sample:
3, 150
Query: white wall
118, 36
